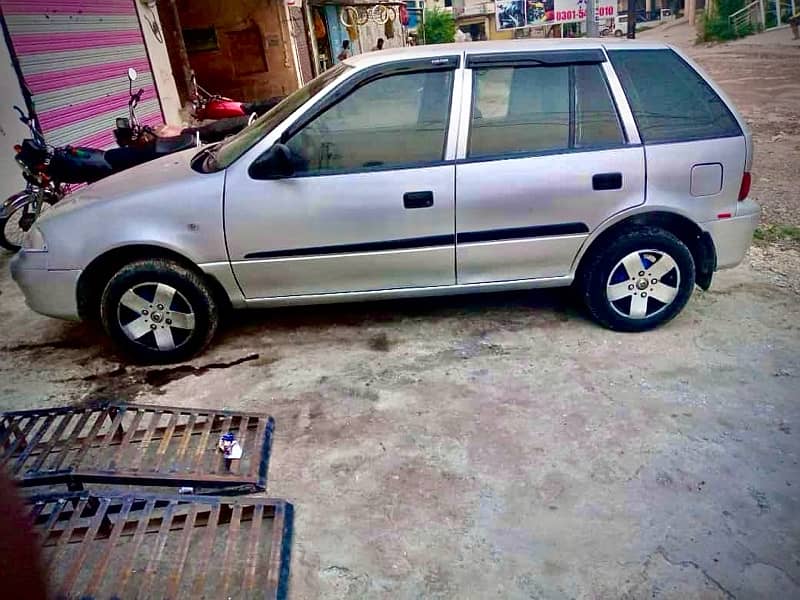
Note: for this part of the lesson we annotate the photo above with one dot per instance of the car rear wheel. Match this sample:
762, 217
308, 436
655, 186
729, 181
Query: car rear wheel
158, 311
642, 279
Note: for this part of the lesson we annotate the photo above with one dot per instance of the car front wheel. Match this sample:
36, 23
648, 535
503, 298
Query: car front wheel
158, 311
640, 280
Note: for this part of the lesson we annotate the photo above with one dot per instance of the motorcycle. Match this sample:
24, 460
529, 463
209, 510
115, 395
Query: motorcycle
129, 133
230, 117
206, 105
20, 211
50, 171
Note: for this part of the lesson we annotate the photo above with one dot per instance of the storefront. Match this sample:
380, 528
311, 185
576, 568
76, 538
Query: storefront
362, 24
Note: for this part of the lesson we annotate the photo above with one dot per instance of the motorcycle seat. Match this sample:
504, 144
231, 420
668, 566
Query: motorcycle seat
168, 145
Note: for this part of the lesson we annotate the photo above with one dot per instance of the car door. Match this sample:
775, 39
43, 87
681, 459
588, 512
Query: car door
544, 160
369, 202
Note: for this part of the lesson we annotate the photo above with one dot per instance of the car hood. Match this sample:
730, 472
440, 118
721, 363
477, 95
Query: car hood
142, 180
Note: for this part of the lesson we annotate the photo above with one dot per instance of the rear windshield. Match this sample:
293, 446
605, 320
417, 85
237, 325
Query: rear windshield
671, 102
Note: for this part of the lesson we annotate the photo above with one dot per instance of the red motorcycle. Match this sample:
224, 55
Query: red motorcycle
130, 133
213, 106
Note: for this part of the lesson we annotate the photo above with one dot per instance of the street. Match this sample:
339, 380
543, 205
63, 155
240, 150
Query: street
504, 445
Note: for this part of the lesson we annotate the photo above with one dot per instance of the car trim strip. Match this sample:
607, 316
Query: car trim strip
516, 233
402, 244
491, 235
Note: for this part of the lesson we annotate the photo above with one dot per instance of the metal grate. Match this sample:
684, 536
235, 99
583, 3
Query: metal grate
166, 546
120, 443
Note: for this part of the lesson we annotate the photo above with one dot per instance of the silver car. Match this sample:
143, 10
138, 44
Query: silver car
617, 167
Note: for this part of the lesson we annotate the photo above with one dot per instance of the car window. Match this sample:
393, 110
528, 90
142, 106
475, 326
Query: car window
519, 110
670, 101
395, 121
596, 121
225, 153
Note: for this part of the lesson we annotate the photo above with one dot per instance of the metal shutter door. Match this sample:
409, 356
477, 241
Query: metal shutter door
74, 56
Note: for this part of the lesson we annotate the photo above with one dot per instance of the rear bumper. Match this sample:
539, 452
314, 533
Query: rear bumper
732, 236
51, 293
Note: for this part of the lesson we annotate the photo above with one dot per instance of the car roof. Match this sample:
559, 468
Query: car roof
499, 46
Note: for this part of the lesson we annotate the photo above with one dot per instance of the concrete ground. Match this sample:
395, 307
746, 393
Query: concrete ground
496, 446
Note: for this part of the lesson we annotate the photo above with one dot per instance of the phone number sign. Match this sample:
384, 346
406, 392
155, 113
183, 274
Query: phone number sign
513, 14
572, 15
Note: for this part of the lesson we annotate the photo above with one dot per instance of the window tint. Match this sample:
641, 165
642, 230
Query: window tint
596, 121
517, 110
393, 121
527, 109
225, 153
670, 101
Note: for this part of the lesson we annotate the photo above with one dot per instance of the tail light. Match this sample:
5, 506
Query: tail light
744, 190
17, 148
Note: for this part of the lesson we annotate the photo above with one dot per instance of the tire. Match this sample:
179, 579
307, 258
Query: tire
10, 229
626, 286
618, 33
149, 331
4, 224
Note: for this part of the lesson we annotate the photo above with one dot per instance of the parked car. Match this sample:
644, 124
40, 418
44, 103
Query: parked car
620, 169
618, 28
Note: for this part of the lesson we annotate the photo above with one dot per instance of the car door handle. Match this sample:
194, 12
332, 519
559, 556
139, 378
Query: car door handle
418, 199
607, 181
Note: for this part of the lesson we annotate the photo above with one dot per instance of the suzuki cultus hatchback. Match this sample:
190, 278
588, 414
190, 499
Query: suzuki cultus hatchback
617, 167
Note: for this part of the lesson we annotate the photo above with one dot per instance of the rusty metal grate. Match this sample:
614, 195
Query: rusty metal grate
121, 443
165, 546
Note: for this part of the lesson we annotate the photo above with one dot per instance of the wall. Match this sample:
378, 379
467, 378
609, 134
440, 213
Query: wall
159, 63
254, 58
11, 130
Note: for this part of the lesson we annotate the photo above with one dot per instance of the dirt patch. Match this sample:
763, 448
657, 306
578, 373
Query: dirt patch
126, 383
380, 343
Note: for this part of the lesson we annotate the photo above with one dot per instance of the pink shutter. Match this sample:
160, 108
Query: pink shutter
74, 56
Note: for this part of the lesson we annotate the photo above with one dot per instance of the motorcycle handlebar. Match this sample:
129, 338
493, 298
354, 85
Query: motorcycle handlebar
137, 97
32, 125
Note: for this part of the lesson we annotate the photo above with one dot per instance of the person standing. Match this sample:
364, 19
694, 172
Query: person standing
345, 52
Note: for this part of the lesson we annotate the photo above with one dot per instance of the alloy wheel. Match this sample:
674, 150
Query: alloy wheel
643, 283
156, 315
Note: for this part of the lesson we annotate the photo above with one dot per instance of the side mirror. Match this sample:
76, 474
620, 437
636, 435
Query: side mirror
275, 163
132, 74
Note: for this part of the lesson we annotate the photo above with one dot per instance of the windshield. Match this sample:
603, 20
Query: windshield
222, 155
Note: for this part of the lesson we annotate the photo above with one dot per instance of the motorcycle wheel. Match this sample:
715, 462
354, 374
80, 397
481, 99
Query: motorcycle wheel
14, 227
